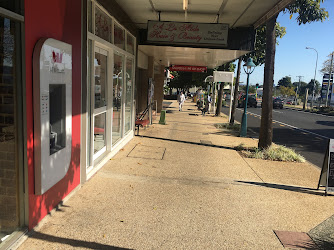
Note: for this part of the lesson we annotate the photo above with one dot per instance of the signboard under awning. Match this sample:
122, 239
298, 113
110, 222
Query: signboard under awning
201, 69
191, 33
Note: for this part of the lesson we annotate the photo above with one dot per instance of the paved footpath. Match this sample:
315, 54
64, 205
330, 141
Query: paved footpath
183, 186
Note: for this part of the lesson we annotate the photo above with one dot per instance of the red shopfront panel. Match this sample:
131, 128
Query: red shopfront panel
61, 20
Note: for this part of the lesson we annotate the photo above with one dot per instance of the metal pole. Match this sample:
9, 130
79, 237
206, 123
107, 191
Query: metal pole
243, 130
329, 80
231, 101
214, 97
315, 74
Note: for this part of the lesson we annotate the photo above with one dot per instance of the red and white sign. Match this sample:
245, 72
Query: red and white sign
192, 33
201, 69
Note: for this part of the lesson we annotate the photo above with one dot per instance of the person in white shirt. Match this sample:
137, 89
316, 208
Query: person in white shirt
209, 103
181, 100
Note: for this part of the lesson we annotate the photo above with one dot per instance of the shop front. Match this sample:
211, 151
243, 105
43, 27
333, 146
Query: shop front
67, 72
111, 53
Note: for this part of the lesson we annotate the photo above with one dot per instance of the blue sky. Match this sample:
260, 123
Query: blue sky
292, 59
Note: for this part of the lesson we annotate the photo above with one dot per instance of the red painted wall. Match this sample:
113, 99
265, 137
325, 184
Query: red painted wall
61, 20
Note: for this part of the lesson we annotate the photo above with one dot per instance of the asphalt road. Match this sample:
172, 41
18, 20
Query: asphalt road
306, 133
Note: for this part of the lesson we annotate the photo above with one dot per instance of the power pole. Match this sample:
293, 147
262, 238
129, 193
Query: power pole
329, 81
300, 77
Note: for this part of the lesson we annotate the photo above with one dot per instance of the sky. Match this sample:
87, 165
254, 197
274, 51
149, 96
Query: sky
292, 58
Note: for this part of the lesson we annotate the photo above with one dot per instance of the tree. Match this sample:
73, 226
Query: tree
317, 87
307, 11
266, 128
287, 91
285, 82
327, 65
251, 89
258, 56
186, 80
235, 96
301, 87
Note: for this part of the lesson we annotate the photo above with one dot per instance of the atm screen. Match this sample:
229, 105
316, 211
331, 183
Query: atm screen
57, 117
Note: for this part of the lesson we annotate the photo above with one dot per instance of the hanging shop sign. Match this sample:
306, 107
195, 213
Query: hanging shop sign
201, 69
327, 172
189, 33
223, 76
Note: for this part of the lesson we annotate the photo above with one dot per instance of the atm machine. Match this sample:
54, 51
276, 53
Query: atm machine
52, 90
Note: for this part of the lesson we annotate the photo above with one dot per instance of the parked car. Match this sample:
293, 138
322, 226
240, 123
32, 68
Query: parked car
278, 103
290, 102
251, 101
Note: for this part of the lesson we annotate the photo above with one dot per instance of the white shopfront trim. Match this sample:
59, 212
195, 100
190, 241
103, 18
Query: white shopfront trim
96, 44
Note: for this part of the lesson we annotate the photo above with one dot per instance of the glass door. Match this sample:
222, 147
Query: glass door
100, 102
128, 95
117, 98
12, 173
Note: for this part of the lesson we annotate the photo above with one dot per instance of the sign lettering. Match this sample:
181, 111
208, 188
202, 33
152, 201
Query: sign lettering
188, 68
192, 33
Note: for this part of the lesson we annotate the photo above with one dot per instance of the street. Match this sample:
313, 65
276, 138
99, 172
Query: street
304, 132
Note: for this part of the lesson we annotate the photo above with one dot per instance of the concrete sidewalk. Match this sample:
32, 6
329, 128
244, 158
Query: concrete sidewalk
183, 186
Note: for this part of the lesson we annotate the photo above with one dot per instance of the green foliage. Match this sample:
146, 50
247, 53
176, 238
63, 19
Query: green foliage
272, 153
258, 55
307, 11
285, 81
198, 78
302, 86
251, 89
230, 67
317, 86
287, 91
327, 65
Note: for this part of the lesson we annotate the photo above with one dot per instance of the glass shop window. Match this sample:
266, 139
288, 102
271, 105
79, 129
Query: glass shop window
103, 25
57, 117
119, 36
130, 44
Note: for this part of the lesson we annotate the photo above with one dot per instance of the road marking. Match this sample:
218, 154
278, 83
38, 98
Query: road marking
303, 130
278, 111
301, 111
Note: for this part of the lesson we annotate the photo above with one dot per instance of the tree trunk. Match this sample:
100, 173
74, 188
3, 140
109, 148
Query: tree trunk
236, 93
266, 130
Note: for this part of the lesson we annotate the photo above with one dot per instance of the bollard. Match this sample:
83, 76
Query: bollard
163, 117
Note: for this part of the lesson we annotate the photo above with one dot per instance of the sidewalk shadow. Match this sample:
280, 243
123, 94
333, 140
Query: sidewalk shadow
73, 242
323, 244
188, 142
286, 187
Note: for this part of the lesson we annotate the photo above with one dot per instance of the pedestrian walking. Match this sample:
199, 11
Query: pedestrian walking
181, 98
209, 102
